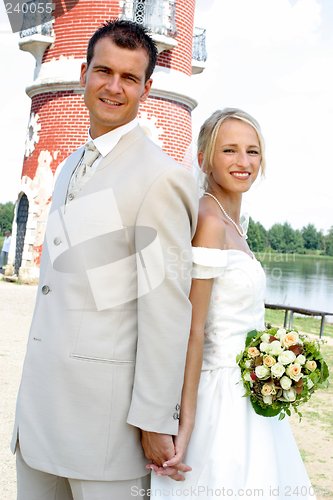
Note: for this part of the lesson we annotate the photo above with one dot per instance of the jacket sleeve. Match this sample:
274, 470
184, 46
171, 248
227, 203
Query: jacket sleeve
168, 217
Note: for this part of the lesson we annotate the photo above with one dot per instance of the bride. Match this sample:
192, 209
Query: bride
232, 451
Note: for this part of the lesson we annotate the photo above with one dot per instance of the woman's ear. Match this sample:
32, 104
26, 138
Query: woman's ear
200, 158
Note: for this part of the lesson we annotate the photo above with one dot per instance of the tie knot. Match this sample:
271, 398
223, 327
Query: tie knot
90, 146
90, 154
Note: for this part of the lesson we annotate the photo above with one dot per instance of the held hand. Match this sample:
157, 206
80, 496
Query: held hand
175, 466
157, 447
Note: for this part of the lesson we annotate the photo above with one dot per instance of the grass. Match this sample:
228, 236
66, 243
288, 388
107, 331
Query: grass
307, 324
315, 432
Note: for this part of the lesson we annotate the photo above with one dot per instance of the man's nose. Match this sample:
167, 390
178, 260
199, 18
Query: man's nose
114, 84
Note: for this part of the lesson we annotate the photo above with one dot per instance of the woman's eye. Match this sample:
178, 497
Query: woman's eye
254, 152
228, 150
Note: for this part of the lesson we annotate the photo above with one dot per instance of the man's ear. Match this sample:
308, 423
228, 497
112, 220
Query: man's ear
146, 90
83, 74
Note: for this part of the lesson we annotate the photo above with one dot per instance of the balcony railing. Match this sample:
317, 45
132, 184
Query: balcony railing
45, 29
199, 52
37, 19
158, 16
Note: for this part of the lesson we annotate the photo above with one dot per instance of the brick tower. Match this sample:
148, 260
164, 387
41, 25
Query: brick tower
59, 121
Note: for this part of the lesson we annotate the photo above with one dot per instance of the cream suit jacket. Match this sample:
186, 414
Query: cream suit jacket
108, 339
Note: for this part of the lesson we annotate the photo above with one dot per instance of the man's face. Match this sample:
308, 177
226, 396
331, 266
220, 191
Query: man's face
115, 84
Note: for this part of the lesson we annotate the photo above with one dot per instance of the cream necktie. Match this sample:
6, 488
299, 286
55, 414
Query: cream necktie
83, 171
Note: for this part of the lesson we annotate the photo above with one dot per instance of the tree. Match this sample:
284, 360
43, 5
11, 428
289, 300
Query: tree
6, 216
329, 242
293, 240
276, 238
312, 238
256, 236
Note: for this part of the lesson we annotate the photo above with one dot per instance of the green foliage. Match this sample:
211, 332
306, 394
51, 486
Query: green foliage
311, 237
282, 238
257, 236
328, 242
6, 216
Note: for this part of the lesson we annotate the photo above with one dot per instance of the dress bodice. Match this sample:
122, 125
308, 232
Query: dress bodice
236, 305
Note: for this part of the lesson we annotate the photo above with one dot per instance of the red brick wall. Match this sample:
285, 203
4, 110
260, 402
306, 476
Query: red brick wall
74, 28
65, 122
63, 116
175, 119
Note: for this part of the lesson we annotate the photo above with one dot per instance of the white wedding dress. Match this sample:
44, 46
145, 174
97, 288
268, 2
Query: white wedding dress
233, 452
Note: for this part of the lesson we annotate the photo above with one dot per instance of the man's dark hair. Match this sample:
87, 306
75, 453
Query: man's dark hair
128, 35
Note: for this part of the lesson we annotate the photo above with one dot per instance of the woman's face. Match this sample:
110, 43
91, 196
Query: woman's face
237, 156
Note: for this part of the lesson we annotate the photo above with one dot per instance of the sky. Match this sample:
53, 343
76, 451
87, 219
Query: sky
272, 58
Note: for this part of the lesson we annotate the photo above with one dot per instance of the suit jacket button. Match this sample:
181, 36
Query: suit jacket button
176, 416
45, 289
57, 241
177, 407
71, 196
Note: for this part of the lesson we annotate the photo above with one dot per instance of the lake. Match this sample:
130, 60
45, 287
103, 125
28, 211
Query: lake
300, 281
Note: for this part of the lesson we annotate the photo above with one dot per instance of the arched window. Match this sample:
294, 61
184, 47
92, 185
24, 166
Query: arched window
21, 221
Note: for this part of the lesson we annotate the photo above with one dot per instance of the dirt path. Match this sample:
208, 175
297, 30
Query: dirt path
16, 305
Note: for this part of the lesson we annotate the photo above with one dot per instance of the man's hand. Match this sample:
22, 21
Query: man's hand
174, 466
158, 448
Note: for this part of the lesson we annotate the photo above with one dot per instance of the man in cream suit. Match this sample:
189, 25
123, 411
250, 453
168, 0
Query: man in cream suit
105, 360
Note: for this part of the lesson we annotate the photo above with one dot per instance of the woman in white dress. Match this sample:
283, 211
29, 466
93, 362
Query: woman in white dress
233, 452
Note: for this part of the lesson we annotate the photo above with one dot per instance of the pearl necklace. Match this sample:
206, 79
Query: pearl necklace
240, 231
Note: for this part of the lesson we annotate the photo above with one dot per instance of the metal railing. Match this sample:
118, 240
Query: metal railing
45, 29
37, 18
158, 16
199, 52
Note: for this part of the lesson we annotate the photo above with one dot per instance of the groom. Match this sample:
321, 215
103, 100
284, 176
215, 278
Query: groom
106, 353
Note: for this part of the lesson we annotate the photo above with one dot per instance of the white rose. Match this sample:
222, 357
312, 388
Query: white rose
264, 346
286, 357
277, 370
262, 372
285, 382
300, 359
265, 337
267, 400
248, 363
289, 339
311, 365
247, 377
294, 371
275, 348
290, 395
281, 331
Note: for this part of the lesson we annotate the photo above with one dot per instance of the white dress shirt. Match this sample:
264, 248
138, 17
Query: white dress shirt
105, 144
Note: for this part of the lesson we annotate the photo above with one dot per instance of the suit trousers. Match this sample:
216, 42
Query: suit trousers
33, 484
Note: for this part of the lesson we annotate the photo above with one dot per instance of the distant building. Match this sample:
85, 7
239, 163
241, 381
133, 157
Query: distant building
59, 120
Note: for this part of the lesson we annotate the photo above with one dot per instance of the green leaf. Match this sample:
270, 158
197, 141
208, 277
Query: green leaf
250, 336
266, 411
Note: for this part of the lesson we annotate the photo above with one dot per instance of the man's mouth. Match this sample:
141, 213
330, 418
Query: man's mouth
111, 103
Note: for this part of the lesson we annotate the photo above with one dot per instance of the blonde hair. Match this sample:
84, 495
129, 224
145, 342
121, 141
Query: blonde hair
210, 128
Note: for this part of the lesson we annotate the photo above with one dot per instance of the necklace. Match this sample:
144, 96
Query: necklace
240, 231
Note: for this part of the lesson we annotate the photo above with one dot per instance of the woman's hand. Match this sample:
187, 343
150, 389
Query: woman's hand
175, 468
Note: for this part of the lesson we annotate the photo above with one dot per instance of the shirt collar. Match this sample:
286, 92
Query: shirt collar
106, 142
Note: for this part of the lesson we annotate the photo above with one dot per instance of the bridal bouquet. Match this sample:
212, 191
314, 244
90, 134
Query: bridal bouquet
280, 370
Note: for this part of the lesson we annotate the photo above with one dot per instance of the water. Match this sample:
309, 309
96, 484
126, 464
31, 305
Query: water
299, 281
